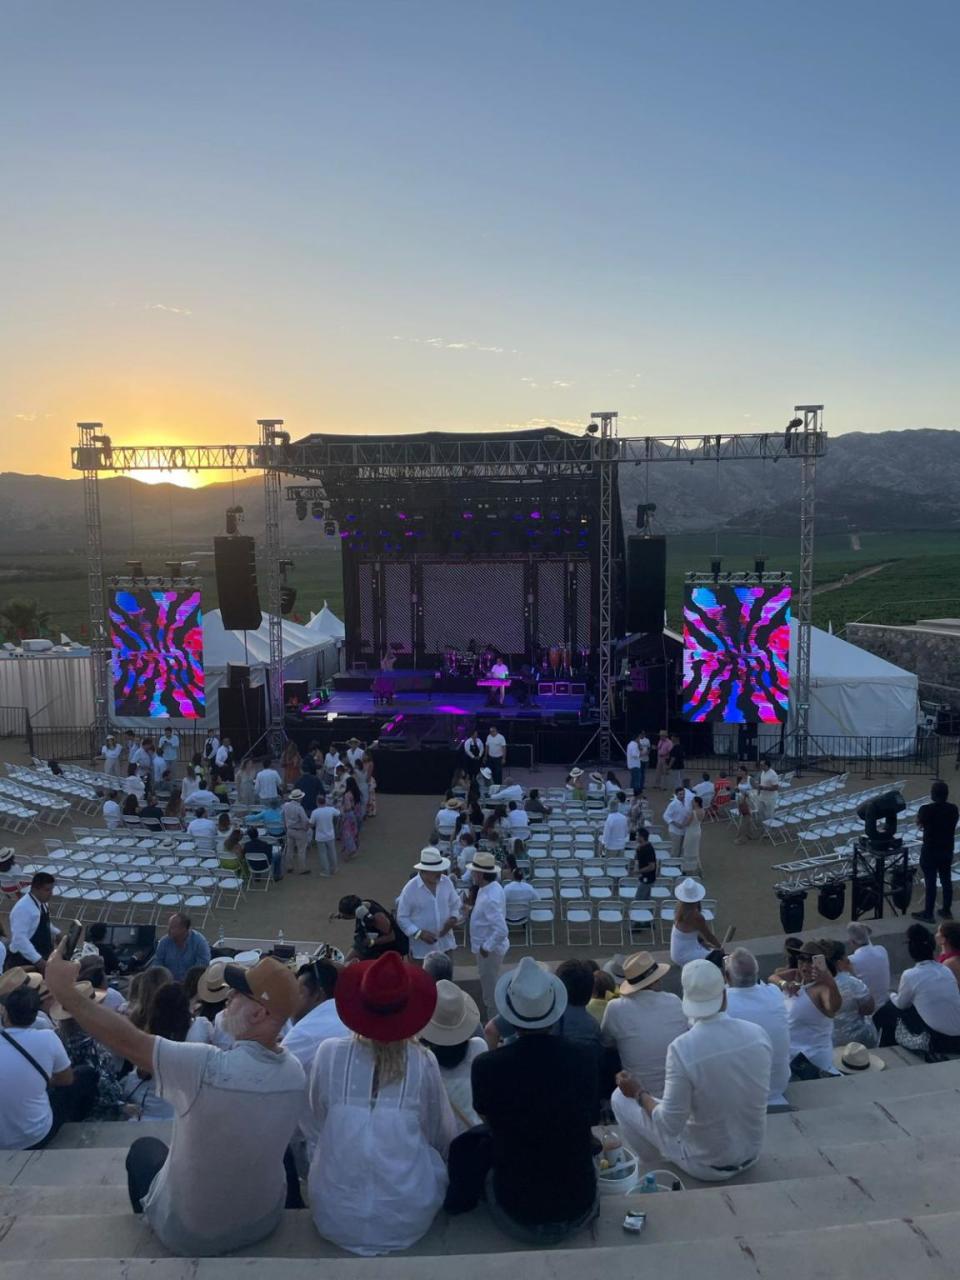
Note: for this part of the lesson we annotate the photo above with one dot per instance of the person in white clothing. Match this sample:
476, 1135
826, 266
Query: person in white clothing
331, 763
266, 785
169, 746
112, 752
378, 1173
201, 798
690, 853
445, 821
316, 1018
503, 795
615, 827
869, 961
324, 820
706, 790
519, 896
27, 1118
644, 1021
761, 1003
203, 830
449, 1035
112, 813
923, 1014
711, 1118
518, 824
297, 833
223, 756
677, 817
489, 939
500, 671
495, 749
812, 1002
133, 784
637, 762
429, 907
768, 786
179, 1190
159, 769
32, 934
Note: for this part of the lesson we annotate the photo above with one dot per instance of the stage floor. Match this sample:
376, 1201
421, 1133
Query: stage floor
470, 705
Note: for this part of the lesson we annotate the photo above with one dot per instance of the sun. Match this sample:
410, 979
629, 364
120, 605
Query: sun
185, 479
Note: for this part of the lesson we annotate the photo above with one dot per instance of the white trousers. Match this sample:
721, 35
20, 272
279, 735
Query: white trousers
488, 967
637, 1131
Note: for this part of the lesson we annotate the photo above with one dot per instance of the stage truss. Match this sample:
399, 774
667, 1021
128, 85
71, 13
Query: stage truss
331, 460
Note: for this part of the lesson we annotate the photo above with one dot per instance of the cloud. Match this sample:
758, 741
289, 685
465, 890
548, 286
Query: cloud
173, 311
576, 424
32, 416
444, 344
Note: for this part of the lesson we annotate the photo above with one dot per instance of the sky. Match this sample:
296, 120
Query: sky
398, 216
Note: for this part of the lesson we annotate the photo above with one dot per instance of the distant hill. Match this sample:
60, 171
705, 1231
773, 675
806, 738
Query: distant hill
885, 481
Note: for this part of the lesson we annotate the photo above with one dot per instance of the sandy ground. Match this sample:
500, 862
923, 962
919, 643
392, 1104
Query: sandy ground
739, 876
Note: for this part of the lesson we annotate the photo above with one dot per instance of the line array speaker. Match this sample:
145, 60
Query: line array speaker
236, 568
646, 584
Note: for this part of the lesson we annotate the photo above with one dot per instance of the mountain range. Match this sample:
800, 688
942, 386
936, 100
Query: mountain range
867, 481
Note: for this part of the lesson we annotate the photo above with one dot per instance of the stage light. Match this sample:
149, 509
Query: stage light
535, 515
401, 515
593, 428
330, 528
301, 508
466, 515
715, 566
331, 715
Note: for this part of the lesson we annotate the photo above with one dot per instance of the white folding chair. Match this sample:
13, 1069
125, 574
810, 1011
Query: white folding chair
542, 921
578, 916
610, 923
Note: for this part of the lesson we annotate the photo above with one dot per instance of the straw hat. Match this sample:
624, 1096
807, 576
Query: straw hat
483, 862
598, 778
85, 989
530, 996
453, 804
431, 859
385, 999
12, 980
486, 773
7, 855
576, 773
211, 988
640, 971
854, 1057
297, 794
689, 891
455, 1018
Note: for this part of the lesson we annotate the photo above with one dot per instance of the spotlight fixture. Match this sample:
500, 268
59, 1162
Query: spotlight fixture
593, 428
759, 565
330, 528
318, 510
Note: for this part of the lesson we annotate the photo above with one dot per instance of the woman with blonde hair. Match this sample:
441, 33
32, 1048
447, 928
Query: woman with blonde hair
143, 989
383, 1123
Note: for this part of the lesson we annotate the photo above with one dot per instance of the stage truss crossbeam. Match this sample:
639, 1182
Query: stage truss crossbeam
548, 458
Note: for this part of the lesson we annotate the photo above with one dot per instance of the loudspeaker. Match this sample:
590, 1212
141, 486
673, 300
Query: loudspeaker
237, 593
646, 584
238, 676
831, 900
242, 717
295, 693
791, 910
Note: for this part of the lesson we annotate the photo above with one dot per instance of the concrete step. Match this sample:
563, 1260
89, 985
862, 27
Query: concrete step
700, 1214
916, 1247
110, 1133
840, 1091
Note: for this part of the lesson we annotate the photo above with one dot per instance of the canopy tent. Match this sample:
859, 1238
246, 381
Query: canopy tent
855, 695
327, 623
308, 654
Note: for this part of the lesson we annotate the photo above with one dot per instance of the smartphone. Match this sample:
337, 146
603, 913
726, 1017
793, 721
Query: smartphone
820, 964
74, 934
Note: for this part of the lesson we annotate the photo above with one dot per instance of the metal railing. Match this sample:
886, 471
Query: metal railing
14, 722
863, 756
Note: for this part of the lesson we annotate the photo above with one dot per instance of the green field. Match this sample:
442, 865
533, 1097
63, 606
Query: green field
922, 580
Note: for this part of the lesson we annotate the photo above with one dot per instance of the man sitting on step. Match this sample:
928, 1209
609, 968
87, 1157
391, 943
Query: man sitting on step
234, 1110
712, 1117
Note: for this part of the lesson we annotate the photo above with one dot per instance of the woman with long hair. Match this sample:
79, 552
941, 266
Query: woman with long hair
691, 937
349, 820
169, 1018
378, 1172
368, 769
143, 990
244, 780
290, 764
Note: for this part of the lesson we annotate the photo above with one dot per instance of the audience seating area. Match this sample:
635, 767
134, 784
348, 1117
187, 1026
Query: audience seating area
856, 1181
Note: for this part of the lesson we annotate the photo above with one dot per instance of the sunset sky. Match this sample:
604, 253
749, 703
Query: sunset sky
396, 216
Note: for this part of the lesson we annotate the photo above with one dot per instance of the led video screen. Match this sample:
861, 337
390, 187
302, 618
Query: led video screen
736, 649
157, 662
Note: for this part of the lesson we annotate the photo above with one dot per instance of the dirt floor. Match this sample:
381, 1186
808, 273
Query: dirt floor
739, 876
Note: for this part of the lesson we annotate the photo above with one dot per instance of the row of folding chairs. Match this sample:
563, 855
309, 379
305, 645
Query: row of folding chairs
16, 817
136, 895
46, 807
605, 923
77, 794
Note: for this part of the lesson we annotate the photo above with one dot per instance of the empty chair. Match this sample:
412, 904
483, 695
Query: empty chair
641, 920
610, 923
542, 925
578, 916
572, 890
600, 888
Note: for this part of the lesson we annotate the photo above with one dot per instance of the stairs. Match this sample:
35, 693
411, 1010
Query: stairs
858, 1180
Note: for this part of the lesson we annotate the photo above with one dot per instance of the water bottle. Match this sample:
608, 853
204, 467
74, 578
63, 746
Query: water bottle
221, 937
649, 1183
279, 937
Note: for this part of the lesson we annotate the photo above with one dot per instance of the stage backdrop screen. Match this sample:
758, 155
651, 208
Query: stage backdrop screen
736, 649
157, 662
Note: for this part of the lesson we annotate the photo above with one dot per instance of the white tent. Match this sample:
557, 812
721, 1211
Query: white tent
307, 654
327, 623
854, 694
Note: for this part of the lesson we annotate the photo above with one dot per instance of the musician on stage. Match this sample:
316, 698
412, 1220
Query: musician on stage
388, 660
500, 671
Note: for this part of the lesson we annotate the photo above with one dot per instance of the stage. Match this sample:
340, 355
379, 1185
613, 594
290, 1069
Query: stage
468, 706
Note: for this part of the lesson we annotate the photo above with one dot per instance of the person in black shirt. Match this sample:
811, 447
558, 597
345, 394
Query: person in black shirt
533, 1156
375, 929
938, 822
645, 858
677, 761
309, 784
151, 816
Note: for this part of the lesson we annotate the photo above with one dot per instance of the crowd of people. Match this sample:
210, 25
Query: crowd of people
258, 815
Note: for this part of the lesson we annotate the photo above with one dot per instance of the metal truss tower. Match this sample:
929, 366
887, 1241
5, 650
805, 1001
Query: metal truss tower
270, 438
808, 440
94, 447
609, 494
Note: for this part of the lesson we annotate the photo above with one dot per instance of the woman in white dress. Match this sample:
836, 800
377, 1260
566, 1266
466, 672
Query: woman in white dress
449, 1035
691, 937
812, 1002
378, 1174
690, 853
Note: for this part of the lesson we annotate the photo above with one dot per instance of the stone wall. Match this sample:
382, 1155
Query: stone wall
933, 656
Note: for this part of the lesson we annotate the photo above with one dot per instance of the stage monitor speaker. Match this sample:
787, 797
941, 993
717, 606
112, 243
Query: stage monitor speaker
295, 694
646, 584
238, 675
242, 717
236, 569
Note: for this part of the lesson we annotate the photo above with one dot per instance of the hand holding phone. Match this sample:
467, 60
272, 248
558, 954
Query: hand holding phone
72, 940
820, 964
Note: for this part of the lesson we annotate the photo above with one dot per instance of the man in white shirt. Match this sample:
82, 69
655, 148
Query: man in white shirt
112, 813
503, 795
518, 824
202, 798
768, 786
159, 768
705, 790
203, 830
192, 1209
927, 1000
446, 818
27, 1118
677, 817
266, 785
223, 757
637, 762
111, 752
489, 939
142, 757
324, 822
169, 746
32, 934
211, 742
615, 828
500, 671
354, 752
496, 751
519, 896
429, 906
645, 1021
133, 784
331, 763
869, 961
297, 827
316, 1018
762, 1004
711, 1119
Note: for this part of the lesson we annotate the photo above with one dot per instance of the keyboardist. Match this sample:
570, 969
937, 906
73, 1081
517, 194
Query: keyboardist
500, 671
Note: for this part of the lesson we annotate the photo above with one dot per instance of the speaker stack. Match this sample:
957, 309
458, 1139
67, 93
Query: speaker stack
646, 584
236, 570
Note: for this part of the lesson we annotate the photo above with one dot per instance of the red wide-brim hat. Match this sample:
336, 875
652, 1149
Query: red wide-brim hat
385, 999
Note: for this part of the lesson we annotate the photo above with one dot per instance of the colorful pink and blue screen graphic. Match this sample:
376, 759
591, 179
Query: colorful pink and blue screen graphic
736, 649
157, 663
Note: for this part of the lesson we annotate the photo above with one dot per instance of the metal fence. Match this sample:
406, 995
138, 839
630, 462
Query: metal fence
80, 742
866, 757
14, 722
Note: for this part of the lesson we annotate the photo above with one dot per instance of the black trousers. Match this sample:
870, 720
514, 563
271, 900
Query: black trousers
71, 1103
888, 1015
936, 866
496, 768
147, 1157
